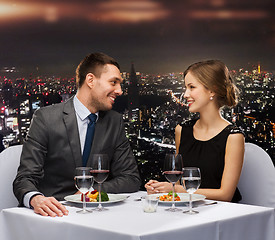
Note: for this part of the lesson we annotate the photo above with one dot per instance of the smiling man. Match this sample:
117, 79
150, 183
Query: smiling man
55, 143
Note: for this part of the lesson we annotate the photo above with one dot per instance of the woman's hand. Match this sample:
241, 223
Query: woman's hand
154, 186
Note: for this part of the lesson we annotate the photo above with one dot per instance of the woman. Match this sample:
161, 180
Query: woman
211, 143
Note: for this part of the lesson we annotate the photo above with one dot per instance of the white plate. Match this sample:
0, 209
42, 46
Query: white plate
113, 198
184, 197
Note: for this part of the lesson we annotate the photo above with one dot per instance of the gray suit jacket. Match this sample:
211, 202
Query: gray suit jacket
52, 151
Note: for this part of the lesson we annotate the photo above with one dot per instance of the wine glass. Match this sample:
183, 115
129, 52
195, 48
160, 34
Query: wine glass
100, 172
191, 181
83, 182
172, 170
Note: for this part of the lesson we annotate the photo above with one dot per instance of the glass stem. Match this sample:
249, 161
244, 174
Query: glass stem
173, 198
84, 202
99, 197
190, 202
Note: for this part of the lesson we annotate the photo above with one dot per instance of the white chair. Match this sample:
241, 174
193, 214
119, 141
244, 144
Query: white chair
257, 180
9, 162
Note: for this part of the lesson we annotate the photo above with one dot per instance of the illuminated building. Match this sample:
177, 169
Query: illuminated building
133, 95
27, 106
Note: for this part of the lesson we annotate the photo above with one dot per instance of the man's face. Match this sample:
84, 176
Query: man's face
106, 88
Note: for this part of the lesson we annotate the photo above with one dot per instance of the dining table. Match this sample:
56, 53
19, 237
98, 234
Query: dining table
126, 220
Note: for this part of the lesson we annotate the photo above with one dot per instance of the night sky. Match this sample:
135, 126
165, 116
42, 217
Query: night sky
163, 36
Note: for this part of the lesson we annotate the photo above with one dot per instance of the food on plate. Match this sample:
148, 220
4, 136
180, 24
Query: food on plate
104, 197
169, 197
94, 196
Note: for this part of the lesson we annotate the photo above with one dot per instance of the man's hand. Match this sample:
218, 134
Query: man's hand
48, 206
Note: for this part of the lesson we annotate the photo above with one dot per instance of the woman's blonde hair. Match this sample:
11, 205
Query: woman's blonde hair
214, 75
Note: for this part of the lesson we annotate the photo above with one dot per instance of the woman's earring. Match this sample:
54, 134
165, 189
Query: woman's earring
211, 98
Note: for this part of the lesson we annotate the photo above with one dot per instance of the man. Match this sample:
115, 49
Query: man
56, 139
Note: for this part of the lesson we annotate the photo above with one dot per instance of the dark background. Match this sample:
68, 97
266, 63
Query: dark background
52, 36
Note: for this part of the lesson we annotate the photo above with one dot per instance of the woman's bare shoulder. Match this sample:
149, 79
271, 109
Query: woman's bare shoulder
178, 128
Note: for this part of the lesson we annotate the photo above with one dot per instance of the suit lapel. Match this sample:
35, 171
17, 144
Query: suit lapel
70, 122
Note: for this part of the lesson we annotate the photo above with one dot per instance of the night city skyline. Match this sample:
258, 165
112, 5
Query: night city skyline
149, 122
51, 37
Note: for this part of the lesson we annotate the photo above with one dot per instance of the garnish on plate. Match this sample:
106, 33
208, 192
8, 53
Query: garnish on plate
94, 196
169, 197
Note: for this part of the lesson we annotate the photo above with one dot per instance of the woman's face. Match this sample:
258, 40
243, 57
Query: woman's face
197, 96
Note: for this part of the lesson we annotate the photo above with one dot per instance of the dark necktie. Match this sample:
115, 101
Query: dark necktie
89, 139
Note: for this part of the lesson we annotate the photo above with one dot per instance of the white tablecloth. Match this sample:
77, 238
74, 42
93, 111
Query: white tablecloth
126, 220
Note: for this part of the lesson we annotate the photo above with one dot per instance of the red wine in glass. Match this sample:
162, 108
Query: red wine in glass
100, 175
172, 170
100, 172
172, 176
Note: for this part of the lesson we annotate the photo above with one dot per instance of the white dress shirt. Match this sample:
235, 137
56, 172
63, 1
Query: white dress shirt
82, 114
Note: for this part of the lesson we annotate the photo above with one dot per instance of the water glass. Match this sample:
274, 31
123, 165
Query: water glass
150, 203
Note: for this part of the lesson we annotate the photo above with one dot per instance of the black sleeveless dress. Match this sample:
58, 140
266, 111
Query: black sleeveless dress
206, 155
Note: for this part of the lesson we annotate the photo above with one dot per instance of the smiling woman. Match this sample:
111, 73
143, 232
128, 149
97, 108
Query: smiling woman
210, 143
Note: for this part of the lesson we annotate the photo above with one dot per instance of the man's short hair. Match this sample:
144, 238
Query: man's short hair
93, 63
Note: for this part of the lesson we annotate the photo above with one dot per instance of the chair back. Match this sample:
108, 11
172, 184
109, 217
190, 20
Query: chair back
9, 162
257, 180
